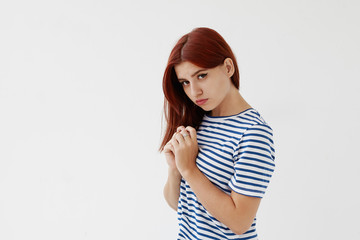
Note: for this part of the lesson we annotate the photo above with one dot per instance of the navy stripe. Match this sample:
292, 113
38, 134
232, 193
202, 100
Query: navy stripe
255, 166
251, 184
248, 189
206, 216
183, 232
180, 234
256, 159
262, 130
187, 196
256, 141
209, 147
215, 228
212, 177
253, 178
218, 162
217, 126
200, 134
256, 118
196, 230
196, 220
266, 126
256, 147
252, 171
240, 120
221, 134
259, 135
256, 113
226, 130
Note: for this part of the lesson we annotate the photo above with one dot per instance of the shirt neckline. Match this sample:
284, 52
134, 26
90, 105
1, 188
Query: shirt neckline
229, 116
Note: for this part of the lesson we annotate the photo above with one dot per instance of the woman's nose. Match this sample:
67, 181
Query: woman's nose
196, 90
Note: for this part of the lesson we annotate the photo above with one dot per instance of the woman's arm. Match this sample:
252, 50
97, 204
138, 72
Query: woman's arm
172, 188
172, 185
236, 211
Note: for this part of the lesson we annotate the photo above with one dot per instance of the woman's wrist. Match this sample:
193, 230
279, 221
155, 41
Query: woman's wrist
190, 172
174, 173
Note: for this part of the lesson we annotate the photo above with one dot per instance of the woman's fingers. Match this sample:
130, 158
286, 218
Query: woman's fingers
179, 137
174, 142
168, 147
179, 129
192, 132
183, 135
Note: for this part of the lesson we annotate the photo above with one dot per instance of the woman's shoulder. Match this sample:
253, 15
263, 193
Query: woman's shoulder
235, 125
248, 117
254, 120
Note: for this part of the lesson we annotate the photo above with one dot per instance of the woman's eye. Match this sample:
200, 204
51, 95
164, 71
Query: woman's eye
201, 76
184, 83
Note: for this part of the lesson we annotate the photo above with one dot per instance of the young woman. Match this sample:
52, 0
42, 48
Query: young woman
218, 148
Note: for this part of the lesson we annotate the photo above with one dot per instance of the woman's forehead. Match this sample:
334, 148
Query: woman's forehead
187, 69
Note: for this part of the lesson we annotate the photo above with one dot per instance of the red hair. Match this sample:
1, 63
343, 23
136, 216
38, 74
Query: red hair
205, 48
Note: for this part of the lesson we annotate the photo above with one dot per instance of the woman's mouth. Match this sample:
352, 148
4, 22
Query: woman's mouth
201, 101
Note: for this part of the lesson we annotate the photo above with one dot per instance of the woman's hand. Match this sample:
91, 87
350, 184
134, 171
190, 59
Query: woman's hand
172, 186
169, 155
185, 146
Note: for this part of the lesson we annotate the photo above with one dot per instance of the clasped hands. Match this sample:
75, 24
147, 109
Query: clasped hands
181, 151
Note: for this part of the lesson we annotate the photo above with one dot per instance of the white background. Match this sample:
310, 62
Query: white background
81, 104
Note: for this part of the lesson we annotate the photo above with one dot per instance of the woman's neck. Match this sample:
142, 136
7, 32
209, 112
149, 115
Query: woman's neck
233, 104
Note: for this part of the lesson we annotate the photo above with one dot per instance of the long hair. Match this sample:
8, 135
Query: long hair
205, 48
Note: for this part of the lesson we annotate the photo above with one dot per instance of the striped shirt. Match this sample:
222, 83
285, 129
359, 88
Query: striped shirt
236, 153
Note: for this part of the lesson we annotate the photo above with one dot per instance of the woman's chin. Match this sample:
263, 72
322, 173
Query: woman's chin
206, 109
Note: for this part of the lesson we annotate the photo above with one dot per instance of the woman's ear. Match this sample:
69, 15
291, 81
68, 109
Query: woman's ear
229, 67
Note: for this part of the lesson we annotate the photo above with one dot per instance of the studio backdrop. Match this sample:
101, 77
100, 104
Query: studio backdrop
81, 113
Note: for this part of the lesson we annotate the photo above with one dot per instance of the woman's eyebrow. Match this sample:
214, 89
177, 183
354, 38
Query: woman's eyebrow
192, 74
197, 72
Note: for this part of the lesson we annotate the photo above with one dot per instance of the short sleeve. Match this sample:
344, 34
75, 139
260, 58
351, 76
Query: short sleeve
254, 161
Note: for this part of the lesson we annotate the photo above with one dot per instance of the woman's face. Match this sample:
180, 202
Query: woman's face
207, 88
